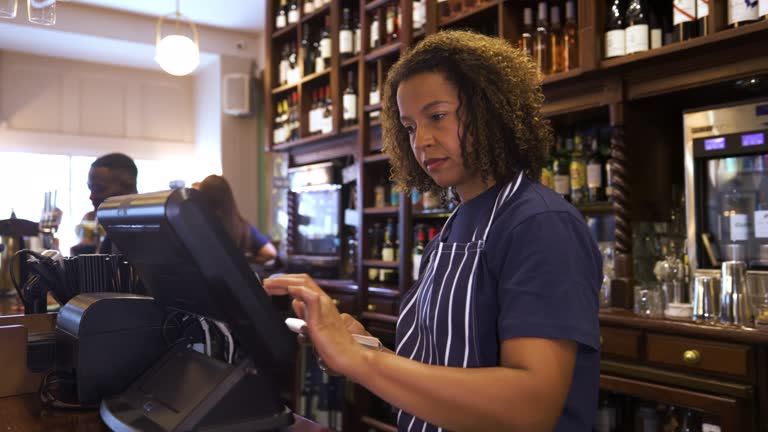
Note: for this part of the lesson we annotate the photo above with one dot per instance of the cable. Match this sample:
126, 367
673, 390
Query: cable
48, 399
228, 336
207, 331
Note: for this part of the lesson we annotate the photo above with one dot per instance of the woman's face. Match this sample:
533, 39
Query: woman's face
428, 106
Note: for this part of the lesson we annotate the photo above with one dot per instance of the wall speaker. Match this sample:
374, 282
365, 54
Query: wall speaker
236, 98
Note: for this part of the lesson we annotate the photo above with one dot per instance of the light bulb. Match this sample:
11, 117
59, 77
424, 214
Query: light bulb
178, 55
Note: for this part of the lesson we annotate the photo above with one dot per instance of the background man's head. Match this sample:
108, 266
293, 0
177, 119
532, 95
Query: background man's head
111, 175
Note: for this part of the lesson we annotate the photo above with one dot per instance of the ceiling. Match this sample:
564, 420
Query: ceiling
242, 15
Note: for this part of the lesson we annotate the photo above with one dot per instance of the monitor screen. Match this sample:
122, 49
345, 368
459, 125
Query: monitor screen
188, 262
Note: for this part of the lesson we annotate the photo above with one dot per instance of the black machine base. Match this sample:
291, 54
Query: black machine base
187, 391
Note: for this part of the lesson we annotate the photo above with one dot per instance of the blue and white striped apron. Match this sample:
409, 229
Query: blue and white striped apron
437, 319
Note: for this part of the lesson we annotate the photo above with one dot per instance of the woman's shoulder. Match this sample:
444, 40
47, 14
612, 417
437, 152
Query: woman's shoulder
534, 200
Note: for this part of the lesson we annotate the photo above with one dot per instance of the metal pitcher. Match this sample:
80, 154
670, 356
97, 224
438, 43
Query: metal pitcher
734, 306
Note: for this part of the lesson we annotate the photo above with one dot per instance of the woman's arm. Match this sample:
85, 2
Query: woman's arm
526, 393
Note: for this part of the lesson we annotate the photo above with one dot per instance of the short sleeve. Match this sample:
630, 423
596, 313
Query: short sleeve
549, 280
257, 239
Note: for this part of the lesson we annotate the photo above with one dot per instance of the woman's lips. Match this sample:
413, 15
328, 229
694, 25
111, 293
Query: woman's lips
433, 164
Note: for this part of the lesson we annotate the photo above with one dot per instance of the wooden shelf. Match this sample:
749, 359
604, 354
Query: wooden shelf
349, 129
553, 78
375, 124
383, 51
378, 157
389, 210
378, 424
316, 75
594, 208
371, 108
284, 88
721, 36
626, 318
350, 61
315, 13
381, 264
476, 11
375, 4
432, 214
304, 141
284, 31
419, 34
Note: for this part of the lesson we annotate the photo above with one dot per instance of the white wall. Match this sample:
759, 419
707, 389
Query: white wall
70, 107
208, 118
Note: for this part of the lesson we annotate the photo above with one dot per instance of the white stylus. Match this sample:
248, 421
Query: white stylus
298, 325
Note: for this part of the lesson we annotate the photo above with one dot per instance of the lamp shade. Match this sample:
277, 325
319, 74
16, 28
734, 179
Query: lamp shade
178, 55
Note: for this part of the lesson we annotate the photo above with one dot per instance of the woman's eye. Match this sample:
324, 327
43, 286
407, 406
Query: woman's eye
410, 129
437, 116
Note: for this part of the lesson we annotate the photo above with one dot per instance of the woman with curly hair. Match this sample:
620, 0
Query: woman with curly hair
500, 332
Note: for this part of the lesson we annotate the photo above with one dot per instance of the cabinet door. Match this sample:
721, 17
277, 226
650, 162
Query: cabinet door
733, 414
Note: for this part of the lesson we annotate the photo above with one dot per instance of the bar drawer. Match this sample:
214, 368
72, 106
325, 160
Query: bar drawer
620, 343
727, 359
345, 303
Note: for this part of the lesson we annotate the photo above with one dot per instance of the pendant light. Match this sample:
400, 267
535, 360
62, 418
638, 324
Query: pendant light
176, 53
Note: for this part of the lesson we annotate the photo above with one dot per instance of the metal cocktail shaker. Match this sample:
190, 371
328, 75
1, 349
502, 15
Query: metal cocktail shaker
705, 299
734, 308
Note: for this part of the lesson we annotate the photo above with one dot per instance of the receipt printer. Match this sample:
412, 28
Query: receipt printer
105, 340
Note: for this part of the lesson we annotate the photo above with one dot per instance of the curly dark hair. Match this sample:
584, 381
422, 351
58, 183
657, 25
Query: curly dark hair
500, 98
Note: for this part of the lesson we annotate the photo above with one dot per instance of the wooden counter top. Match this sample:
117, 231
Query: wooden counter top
25, 413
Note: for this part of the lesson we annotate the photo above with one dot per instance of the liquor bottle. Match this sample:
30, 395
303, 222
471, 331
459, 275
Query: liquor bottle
392, 24
356, 32
742, 12
318, 4
375, 31
308, 7
541, 41
319, 60
293, 12
349, 101
636, 33
657, 34
614, 31
561, 168
418, 250
556, 48
690, 422
380, 194
579, 193
702, 16
293, 65
388, 252
596, 173
444, 9
375, 249
684, 19
306, 51
526, 40
570, 37
281, 20
284, 67
277, 136
328, 112
325, 43
419, 14
346, 37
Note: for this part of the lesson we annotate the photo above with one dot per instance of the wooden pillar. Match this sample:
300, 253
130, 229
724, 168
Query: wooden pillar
622, 292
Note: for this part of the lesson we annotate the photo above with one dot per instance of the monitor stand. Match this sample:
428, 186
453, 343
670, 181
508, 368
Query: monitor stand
187, 391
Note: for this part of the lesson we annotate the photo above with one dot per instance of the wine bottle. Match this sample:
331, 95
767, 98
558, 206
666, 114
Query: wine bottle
657, 33
702, 16
309, 7
614, 31
306, 51
325, 43
293, 12
636, 33
349, 101
375, 31
282, 15
541, 41
346, 37
742, 12
570, 37
556, 48
356, 47
684, 19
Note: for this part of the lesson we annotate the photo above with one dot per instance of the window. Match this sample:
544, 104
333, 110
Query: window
26, 177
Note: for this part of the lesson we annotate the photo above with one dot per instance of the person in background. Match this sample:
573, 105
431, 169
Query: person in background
500, 332
110, 175
257, 248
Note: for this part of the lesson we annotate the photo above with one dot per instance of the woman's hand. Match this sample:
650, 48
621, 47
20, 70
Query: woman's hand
329, 331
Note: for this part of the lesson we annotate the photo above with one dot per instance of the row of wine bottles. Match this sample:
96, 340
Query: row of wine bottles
552, 45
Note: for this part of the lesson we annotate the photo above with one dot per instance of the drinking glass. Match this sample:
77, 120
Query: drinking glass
42, 12
8, 9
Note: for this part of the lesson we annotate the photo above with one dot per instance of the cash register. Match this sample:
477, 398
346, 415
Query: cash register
190, 265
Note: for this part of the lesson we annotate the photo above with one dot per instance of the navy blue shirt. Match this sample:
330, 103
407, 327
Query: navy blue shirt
539, 276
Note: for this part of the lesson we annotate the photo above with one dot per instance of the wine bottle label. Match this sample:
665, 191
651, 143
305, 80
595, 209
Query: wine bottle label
325, 48
388, 253
280, 22
563, 184
346, 44
356, 42
327, 124
276, 136
373, 274
313, 120
595, 175
739, 227
293, 16
374, 97
284, 71
293, 75
742, 10
683, 11
763, 8
350, 106
702, 8
416, 265
578, 175
309, 7
656, 38
547, 178
761, 224
319, 4
706, 427
636, 38
374, 34
390, 23
614, 43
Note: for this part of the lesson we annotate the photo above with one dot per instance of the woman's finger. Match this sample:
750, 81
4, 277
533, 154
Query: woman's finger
298, 308
311, 302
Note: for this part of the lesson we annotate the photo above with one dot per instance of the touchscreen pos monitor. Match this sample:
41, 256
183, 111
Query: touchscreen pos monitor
188, 263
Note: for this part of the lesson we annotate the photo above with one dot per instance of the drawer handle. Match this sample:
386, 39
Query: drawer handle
692, 357
336, 302
371, 307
